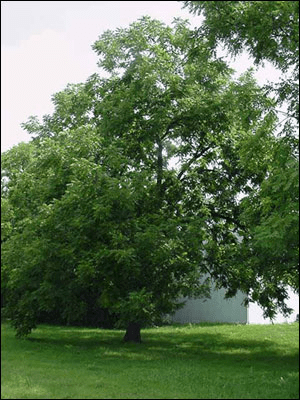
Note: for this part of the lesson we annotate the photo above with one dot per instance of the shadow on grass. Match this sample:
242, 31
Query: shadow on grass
171, 345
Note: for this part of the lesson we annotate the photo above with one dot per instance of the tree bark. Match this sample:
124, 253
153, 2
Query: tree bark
159, 166
133, 333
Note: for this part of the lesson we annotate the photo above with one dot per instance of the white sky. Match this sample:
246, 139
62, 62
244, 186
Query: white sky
47, 44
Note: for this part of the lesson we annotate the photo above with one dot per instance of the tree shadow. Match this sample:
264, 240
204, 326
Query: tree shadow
176, 345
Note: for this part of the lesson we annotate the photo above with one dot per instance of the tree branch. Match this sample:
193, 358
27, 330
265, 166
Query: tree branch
217, 214
197, 155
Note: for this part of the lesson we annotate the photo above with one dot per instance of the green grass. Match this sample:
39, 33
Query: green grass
204, 361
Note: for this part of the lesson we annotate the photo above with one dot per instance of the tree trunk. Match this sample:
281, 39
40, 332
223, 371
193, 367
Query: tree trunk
133, 333
159, 165
159, 172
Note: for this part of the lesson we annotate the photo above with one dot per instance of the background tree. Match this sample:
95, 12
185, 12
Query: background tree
132, 192
269, 31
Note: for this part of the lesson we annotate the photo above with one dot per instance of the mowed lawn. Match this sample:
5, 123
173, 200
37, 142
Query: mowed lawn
203, 361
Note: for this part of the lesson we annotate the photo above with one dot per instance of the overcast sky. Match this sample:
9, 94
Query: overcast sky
47, 44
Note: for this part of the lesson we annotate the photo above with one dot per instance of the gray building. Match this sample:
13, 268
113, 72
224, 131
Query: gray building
219, 309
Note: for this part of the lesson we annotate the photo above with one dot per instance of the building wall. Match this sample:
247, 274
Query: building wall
216, 309
219, 309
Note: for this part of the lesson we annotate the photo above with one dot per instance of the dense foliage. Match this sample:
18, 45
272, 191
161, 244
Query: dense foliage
129, 195
269, 31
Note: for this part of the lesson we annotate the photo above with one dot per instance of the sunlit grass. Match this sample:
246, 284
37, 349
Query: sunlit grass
191, 361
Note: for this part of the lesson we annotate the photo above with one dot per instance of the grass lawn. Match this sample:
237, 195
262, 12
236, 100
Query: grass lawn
203, 361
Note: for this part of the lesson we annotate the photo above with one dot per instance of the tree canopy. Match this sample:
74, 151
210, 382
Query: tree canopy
130, 192
269, 31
